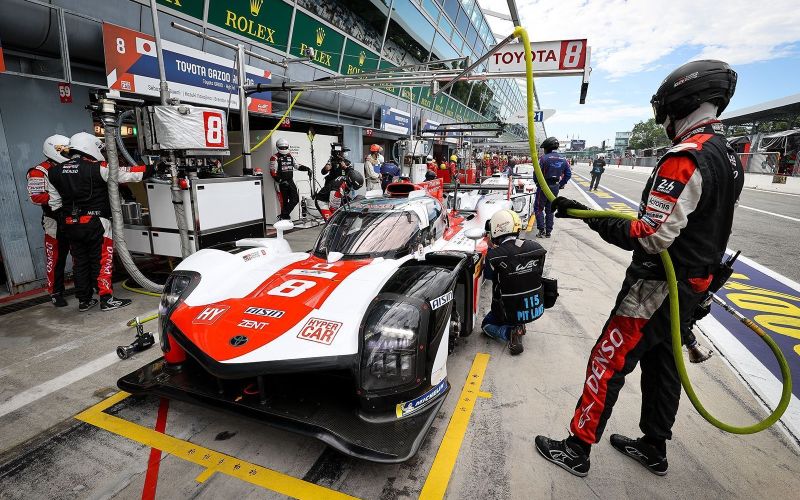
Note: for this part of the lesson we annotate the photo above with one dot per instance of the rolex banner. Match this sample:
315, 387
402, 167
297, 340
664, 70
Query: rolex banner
193, 76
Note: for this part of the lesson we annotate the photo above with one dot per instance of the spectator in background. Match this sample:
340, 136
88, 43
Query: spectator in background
598, 167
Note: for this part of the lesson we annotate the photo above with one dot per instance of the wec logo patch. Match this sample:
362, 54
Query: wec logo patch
321, 331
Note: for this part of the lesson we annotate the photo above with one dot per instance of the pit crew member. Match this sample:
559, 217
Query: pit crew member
557, 173
687, 208
515, 267
281, 167
78, 188
56, 244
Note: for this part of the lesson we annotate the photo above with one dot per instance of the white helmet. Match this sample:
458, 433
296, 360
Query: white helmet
88, 144
282, 145
429, 158
54, 145
503, 223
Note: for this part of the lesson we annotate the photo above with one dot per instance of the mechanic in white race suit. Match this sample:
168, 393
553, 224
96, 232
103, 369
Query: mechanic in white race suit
372, 167
515, 267
56, 244
78, 188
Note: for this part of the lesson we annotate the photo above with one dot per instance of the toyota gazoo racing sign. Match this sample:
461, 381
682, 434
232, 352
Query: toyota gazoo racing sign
193, 76
552, 57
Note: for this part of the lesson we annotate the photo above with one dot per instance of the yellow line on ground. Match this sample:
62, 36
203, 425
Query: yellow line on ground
436, 484
212, 461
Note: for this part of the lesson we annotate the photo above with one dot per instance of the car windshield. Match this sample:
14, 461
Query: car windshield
369, 234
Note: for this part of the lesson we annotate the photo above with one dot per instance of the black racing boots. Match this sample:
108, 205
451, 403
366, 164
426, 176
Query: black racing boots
652, 456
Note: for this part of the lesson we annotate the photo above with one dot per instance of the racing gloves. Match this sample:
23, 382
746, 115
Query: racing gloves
562, 204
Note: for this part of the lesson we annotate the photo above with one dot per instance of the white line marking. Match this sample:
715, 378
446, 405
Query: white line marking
627, 178
756, 377
591, 200
27, 397
795, 219
768, 191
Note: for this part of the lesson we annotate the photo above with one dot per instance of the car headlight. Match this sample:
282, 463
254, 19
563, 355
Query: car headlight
178, 286
391, 337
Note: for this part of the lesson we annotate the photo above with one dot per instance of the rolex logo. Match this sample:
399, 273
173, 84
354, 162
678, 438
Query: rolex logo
361, 58
255, 7
320, 34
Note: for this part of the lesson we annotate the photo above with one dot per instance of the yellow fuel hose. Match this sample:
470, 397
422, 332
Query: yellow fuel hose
672, 283
262, 141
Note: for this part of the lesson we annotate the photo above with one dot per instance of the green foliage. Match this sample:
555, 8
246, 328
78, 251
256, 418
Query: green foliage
648, 134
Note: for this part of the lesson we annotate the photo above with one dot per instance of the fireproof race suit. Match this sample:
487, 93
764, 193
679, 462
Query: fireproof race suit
56, 243
687, 207
556, 173
78, 188
282, 169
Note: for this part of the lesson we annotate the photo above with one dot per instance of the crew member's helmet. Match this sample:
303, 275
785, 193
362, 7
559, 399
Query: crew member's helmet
503, 223
454, 158
282, 145
54, 145
87, 144
374, 148
429, 175
550, 144
429, 158
692, 84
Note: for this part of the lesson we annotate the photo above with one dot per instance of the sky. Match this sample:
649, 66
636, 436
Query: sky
636, 43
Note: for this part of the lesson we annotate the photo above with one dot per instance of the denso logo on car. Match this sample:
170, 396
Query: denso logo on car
403, 409
321, 331
209, 315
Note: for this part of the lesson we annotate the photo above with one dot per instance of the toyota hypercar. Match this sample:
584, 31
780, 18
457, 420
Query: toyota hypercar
347, 342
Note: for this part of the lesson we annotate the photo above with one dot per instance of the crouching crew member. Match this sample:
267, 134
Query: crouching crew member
56, 244
78, 188
515, 267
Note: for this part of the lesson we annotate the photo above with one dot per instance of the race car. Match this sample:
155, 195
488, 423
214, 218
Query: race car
519, 190
347, 342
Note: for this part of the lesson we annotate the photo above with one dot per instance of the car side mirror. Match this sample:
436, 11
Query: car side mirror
281, 226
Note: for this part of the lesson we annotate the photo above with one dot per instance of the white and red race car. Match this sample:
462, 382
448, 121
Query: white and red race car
347, 343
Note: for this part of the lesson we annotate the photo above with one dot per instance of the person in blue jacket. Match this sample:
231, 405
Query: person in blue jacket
557, 173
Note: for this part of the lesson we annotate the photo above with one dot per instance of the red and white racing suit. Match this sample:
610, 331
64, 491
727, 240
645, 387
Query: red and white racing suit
687, 208
78, 188
56, 243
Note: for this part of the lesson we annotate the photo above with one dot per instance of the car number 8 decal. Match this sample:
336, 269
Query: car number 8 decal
292, 288
212, 122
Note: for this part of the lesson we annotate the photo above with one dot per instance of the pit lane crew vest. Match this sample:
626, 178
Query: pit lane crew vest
285, 164
517, 296
82, 188
700, 246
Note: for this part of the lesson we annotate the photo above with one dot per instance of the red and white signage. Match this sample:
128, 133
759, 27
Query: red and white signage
553, 57
214, 128
321, 331
65, 93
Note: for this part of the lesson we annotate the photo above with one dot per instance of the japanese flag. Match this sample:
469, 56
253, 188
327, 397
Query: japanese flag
145, 47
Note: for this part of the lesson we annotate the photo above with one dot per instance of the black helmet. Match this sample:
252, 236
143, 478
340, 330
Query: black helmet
550, 144
694, 83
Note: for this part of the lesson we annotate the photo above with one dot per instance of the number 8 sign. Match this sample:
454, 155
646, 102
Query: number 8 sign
214, 129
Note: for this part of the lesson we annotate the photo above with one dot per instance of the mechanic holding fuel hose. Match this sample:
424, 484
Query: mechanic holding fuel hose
687, 208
